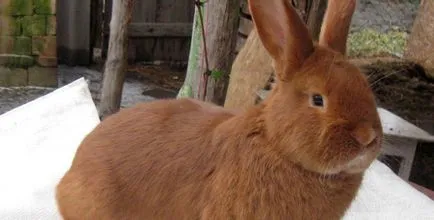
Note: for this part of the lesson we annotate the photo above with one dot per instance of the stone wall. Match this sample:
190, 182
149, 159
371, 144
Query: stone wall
28, 43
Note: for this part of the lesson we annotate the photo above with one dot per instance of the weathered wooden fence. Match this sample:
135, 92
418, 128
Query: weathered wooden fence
245, 26
159, 29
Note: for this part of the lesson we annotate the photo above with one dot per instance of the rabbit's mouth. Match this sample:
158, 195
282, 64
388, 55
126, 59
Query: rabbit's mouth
362, 162
359, 163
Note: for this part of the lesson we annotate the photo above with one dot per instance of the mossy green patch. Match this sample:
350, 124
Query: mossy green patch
38, 44
26, 23
16, 61
34, 25
20, 7
216, 74
15, 26
185, 92
369, 43
22, 46
42, 7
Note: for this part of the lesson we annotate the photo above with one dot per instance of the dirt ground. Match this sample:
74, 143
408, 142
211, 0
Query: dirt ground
403, 88
163, 75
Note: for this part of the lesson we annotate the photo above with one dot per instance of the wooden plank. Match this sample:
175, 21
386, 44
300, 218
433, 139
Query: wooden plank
172, 48
116, 63
175, 11
144, 11
158, 30
244, 10
245, 27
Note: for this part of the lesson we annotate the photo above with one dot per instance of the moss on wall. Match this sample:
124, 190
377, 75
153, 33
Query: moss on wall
15, 26
20, 7
28, 43
42, 6
22, 46
34, 25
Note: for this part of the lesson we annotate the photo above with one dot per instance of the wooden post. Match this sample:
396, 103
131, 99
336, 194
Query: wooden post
220, 23
250, 73
222, 18
420, 45
116, 64
314, 10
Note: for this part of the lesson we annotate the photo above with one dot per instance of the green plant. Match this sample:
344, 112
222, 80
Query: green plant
368, 43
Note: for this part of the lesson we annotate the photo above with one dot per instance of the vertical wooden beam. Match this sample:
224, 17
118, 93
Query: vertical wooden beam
420, 45
315, 16
251, 71
116, 64
220, 22
312, 12
222, 27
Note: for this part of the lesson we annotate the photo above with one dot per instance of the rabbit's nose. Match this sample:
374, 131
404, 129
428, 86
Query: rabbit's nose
364, 134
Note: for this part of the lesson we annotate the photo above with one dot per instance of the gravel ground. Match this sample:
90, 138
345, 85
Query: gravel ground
11, 98
134, 90
385, 15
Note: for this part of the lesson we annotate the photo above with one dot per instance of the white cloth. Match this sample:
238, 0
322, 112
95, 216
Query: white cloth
38, 142
384, 195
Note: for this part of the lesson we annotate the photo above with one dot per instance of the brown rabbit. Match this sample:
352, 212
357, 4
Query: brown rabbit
301, 154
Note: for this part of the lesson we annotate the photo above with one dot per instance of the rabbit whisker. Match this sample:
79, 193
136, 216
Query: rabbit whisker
373, 84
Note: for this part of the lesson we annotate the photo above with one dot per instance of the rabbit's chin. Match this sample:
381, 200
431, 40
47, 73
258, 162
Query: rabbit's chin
357, 165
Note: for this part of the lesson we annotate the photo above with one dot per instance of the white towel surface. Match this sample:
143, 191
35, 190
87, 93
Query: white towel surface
384, 195
38, 141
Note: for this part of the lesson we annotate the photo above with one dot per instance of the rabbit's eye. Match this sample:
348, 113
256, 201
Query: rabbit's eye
317, 100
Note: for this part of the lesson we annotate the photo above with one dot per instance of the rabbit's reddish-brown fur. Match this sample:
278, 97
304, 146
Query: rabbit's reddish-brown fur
283, 159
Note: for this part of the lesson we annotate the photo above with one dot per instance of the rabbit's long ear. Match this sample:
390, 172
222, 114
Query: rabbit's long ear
336, 24
282, 32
